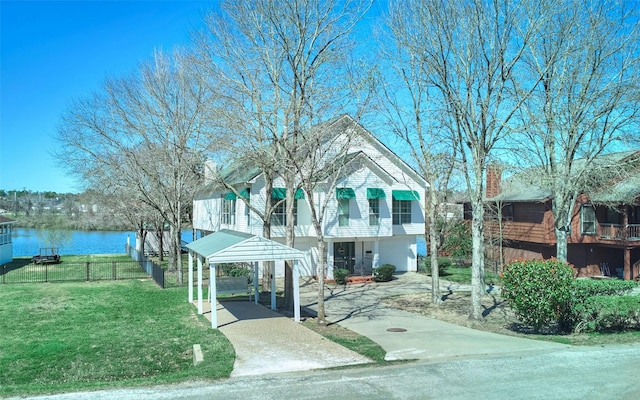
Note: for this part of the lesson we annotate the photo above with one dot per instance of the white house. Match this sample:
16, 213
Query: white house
375, 213
6, 245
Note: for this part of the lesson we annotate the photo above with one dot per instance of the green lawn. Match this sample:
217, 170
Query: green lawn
463, 275
90, 335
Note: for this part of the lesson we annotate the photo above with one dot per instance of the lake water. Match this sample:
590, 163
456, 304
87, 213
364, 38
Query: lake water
27, 242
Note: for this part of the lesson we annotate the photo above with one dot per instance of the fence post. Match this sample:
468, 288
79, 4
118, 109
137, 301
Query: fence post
113, 269
88, 274
46, 272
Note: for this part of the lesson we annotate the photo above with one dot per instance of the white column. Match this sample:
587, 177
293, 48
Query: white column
296, 291
375, 261
190, 276
256, 276
200, 311
212, 288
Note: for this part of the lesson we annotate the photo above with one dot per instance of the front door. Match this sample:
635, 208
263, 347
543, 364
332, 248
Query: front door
344, 255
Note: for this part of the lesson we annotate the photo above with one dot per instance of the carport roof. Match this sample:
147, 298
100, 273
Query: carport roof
232, 246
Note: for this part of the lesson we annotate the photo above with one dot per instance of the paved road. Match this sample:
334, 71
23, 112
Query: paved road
576, 373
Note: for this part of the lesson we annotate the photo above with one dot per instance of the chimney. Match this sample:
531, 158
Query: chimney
210, 171
494, 180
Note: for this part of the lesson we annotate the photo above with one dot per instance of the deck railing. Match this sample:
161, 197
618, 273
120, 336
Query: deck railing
629, 232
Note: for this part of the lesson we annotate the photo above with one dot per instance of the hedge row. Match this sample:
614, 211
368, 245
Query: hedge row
544, 292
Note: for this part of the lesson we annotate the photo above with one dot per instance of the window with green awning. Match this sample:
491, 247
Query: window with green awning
245, 193
345, 193
375, 193
281, 193
230, 196
405, 195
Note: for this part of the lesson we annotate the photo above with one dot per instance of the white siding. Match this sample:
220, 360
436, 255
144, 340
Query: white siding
396, 244
399, 251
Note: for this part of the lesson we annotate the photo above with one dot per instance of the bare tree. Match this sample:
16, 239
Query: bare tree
408, 111
140, 133
469, 51
585, 61
280, 64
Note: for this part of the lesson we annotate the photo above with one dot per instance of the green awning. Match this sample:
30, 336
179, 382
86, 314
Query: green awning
281, 194
405, 195
345, 193
245, 193
376, 193
230, 196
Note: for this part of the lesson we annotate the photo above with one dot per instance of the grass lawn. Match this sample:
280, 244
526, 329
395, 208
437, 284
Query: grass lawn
349, 339
463, 275
91, 335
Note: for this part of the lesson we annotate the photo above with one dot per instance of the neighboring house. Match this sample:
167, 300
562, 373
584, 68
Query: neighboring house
6, 245
604, 234
375, 215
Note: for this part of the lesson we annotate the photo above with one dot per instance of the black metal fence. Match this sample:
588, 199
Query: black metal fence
85, 271
149, 267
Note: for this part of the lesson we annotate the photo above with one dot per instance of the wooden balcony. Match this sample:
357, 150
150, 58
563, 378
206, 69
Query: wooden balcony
629, 232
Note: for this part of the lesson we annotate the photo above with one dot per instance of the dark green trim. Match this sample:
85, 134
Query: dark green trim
345, 193
405, 195
376, 193
230, 196
281, 193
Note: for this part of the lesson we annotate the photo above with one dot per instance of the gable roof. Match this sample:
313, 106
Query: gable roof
521, 187
242, 172
228, 245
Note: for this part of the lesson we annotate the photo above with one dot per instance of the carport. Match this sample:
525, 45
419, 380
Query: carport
228, 246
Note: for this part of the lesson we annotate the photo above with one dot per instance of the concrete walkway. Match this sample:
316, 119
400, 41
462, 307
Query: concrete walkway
406, 335
267, 342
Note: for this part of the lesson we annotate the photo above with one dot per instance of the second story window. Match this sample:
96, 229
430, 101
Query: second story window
344, 196
228, 211
374, 212
373, 196
343, 212
401, 212
587, 219
401, 205
279, 216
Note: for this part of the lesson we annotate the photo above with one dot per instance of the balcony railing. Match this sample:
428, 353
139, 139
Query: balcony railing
619, 232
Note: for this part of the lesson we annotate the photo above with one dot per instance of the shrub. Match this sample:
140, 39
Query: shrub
608, 313
582, 290
384, 273
340, 275
443, 264
538, 291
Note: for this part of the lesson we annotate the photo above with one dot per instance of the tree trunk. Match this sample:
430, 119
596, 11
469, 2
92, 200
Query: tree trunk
322, 261
290, 239
477, 258
433, 246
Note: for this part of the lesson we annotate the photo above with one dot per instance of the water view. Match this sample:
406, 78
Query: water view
28, 241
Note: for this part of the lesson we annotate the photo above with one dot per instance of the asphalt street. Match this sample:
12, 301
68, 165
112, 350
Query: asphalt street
608, 372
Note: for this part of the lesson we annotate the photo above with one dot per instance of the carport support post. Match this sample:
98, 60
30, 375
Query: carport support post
190, 276
256, 270
200, 310
273, 286
296, 291
212, 287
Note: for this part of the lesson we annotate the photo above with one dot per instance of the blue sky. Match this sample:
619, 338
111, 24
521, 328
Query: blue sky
55, 51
